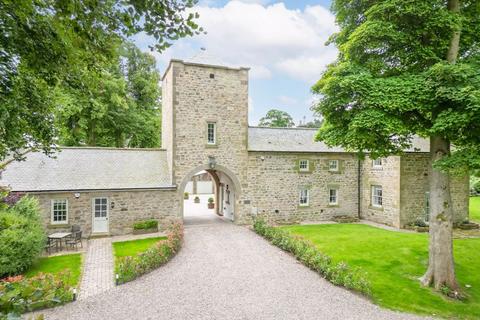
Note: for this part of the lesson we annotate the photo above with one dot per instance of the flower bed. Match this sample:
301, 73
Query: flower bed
339, 274
19, 294
130, 268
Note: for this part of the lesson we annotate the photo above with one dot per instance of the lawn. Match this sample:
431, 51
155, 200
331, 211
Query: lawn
132, 247
56, 264
475, 209
394, 261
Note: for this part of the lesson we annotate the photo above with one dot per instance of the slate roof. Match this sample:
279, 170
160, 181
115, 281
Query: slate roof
302, 140
89, 169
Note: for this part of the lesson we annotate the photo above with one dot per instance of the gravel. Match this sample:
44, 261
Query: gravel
226, 272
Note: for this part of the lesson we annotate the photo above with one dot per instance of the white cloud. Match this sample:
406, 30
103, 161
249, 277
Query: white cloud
269, 38
287, 101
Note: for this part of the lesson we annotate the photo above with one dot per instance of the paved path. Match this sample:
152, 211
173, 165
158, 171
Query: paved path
226, 272
97, 274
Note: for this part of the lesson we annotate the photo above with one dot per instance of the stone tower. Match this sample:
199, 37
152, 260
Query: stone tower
205, 121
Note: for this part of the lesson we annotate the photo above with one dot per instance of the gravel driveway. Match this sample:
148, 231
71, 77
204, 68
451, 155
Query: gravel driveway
226, 272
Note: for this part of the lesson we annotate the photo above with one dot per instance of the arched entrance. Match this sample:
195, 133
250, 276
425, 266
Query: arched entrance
226, 191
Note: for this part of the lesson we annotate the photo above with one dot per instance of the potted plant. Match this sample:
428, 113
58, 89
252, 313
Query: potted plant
211, 205
145, 226
185, 195
196, 199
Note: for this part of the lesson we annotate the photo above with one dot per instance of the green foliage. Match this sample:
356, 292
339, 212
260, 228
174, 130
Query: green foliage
474, 213
276, 118
29, 294
128, 268
146, 224
56, 265
306, 252
22, 237
133, 247
186, 195
210, 200
392, 80
53, 48
393, 261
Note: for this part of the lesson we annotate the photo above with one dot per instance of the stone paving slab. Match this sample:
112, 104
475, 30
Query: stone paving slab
226, 272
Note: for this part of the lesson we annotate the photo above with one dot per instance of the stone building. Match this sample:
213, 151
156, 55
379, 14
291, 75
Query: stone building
278, 172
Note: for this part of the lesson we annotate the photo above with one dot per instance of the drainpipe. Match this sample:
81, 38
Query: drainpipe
359, 183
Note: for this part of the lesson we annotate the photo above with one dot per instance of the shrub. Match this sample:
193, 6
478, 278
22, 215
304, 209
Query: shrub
130, 268
338, 273
210, 200
147, 224
20, 295
22, 237
186, 195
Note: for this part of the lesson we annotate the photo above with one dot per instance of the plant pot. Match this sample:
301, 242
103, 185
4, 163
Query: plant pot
211, 205
421, 229
468, 226
185, 197
144, 231
196, 200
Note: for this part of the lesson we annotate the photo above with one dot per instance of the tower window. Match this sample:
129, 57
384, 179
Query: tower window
211, 133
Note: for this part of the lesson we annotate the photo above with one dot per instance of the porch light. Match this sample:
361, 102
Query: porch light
76, 195
212, 162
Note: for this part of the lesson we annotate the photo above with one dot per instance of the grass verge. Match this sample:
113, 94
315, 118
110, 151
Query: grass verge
394, 261
475, 209
57, 264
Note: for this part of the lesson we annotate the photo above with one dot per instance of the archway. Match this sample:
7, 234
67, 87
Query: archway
226, 191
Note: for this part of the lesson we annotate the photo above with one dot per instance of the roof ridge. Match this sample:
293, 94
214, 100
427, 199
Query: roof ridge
109, 148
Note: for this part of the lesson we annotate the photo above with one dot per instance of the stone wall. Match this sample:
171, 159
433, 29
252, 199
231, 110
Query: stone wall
388, 176
415, 171
275, 183
129, 206
204, 94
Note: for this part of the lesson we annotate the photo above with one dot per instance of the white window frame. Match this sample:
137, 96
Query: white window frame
333, 168
376, 196
330, 202
307, 165
302, 196
214, 124
377, 163
52, 211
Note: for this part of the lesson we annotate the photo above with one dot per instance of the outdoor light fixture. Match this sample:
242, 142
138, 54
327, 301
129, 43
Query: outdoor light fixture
76, 195
74, 294
116, 279
112, 204
212, 162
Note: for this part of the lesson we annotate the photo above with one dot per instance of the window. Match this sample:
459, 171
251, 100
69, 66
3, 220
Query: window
333, 197
59, 211
377, 163
427, 206
333, 165
303, 165
211, 133
304, 198
377, 196
100, 207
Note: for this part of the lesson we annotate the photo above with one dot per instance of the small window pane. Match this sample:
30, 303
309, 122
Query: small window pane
211, 132
377, 196
304, 198
59, 211
303, 165
377, 162
333, 165
333, 196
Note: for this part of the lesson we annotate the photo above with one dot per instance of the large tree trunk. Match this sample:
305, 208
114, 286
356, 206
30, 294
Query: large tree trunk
441, 270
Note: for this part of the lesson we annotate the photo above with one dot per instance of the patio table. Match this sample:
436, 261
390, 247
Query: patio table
59, 236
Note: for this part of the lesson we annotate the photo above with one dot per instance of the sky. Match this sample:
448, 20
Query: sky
283, 42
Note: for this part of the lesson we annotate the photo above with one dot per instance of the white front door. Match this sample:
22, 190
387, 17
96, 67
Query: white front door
100, 215
229, 203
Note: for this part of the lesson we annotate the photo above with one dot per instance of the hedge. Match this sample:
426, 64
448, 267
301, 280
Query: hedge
146, 224
130, 268
339, 274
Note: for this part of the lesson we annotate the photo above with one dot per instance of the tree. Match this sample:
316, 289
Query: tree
408, 68
316, 123
115, 105
42, 40
276, 119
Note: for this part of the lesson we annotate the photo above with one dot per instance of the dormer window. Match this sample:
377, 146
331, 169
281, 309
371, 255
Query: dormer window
211, 133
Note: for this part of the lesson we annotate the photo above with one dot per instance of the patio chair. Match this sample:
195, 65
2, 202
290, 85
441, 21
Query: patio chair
50, 245
75, 228
75, 239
